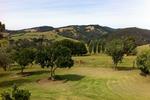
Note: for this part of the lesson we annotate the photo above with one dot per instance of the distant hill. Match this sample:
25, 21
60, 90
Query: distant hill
34, 29
87, 32
142, 36
84, 32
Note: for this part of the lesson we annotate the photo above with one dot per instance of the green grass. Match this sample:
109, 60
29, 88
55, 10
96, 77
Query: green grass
91, 78
31, 35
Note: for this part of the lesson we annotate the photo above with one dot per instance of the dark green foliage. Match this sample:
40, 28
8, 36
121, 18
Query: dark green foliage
77, 48
99, 47
115, 50
143, 61
6, 96
129, 45
141, 36
54, 57
5, 59
95, 47
17, 94
2, 27
80, 49
24, 57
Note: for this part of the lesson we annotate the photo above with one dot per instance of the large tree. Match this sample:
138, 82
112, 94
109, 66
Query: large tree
53, 58
116, 51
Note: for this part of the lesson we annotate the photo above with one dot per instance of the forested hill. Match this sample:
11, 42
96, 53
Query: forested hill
142, 36
91, 32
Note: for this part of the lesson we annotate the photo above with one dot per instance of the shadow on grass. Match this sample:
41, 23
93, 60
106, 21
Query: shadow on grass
10, 83
4, 74
34, 73
125, 68
69, 77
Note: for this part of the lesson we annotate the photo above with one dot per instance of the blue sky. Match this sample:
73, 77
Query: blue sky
18, 14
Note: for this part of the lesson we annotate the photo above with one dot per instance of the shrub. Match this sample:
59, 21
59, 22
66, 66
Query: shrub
143, 61
17, 94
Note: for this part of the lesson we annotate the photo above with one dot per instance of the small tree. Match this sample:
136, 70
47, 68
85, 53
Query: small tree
143, 61
115, 50
53, 58
5, 60
24, 57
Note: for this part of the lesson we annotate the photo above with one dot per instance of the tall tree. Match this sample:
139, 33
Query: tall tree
90, 47
95, 46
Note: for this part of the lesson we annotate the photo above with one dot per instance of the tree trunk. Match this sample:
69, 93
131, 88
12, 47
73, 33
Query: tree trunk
5, 69
51, 74
22, 70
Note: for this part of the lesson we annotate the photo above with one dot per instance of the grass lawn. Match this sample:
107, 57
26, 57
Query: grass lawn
91, 78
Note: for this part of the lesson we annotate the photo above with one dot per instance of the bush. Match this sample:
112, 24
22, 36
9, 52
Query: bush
17, 94
6, 96
143, 61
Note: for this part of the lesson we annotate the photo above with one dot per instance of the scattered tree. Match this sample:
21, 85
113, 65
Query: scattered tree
129, 45
143, 61
53, 58
5, 60
115, 50
24, 57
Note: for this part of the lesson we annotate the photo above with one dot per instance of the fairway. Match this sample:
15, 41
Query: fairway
91, 78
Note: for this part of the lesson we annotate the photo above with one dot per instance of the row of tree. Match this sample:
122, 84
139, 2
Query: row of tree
100, 46
48, 54
96, 46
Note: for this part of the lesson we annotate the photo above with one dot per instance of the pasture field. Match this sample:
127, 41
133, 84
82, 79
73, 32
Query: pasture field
91, 78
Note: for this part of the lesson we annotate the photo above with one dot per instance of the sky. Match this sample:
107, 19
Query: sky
20, 14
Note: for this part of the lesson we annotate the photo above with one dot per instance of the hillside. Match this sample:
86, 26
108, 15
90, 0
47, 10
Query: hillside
142, 36
30, 35
85, 33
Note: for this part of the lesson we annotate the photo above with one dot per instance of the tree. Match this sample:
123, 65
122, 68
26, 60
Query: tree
24, 57
2, 27
5, 60
90, 46
53, 58
116, 51
143, 61
77, 48
80, 49
95, 47
129, 45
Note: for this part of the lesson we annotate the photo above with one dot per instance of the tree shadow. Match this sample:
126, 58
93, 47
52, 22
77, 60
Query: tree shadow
33, 73
18, 82
69, 77
144, 74
4, 74
125, 68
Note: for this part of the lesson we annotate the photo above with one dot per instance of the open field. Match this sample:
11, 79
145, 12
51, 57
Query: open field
89, 79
